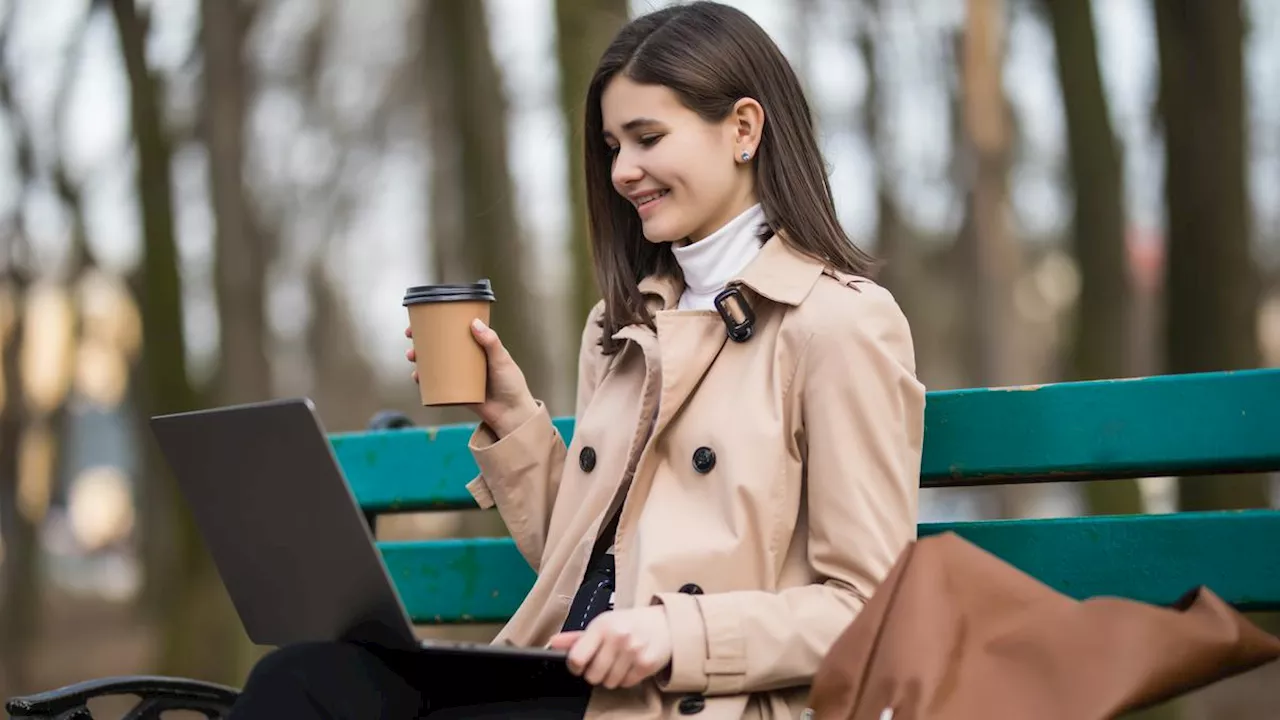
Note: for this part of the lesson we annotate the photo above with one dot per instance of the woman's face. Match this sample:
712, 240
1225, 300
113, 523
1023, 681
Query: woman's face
684, 176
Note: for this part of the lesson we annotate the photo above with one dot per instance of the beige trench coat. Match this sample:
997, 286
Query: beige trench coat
769, 485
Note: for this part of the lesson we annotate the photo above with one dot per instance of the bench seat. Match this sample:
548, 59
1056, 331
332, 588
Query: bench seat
1103, 430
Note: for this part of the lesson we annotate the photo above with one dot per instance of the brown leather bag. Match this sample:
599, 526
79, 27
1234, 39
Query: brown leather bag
955, 633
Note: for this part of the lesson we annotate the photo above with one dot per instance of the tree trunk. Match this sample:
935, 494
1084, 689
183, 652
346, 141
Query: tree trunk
893, 246
584, 29
341, 371
244, 372
446, 227
18, 571
1100, 337
474, 222
989, 243
1211, 283
200, 635
486, 234
991, 255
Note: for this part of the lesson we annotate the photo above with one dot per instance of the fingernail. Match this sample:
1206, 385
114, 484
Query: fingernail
479, 325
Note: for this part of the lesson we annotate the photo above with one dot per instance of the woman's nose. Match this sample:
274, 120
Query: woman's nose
625, 172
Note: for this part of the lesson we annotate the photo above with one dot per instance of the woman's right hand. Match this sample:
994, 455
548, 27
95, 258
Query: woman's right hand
508, 402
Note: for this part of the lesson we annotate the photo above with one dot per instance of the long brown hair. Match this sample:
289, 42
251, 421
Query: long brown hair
710, 55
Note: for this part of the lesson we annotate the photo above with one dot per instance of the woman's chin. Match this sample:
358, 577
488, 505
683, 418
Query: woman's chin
656, 231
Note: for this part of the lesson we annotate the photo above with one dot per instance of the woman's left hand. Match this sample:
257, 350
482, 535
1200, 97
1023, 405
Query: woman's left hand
620, 648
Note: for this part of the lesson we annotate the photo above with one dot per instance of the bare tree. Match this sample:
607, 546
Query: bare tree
19, 599
473, 219
988, 249
20, 606
584, 29
893, 242
473, 222
1211, 282
18, 573
1102, 323
987, 240
244, 373
200, 634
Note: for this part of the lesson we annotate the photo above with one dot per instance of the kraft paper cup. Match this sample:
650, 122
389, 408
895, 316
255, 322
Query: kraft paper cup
452, 369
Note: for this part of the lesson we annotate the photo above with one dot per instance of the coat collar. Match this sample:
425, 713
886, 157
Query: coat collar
780, 273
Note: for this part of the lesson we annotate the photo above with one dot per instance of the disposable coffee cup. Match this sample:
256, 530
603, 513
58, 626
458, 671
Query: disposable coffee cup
452, 369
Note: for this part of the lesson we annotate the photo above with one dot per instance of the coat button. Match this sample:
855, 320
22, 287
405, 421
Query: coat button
587, 459
692, 704
690, 589
704, 458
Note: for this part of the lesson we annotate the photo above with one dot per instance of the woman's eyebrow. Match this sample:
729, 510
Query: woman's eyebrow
638, 123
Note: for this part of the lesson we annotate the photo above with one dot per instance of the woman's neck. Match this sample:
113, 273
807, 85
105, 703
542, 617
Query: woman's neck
713, 261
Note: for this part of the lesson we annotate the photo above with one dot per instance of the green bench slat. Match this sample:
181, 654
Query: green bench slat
477, 580
1166, 425
412, 469
1152, 558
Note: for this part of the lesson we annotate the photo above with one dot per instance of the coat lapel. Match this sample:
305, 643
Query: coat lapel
688, 344
647, 342
682, 350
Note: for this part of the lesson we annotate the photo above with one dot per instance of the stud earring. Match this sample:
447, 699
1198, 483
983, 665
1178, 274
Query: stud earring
745, 156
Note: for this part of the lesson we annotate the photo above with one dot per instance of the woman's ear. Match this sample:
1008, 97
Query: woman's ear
748, 127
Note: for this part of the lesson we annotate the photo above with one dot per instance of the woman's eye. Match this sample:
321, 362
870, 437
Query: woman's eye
650, 140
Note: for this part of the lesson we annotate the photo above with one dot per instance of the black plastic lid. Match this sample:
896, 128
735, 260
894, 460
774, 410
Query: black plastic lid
468, 292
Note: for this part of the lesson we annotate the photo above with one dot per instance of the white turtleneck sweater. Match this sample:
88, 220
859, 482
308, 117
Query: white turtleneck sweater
713, 261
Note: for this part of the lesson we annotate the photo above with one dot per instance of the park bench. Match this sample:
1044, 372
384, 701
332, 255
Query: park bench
1159, 426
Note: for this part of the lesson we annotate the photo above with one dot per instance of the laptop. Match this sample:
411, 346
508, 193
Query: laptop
286, 533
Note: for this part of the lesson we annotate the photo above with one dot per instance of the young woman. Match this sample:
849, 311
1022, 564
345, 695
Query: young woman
743, 472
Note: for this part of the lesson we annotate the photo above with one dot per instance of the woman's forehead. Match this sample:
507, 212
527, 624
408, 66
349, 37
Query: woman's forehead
626, 104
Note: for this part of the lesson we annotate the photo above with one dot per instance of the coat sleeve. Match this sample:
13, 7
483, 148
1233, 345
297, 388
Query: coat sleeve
860, 439
520, 472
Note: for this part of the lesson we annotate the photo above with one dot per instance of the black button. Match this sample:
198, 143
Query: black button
587, 459
704, 458
690, 589
692, 704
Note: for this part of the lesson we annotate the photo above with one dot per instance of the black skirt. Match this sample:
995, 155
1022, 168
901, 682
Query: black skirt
458, 687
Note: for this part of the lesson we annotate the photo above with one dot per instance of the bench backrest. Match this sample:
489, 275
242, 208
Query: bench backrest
1158, 426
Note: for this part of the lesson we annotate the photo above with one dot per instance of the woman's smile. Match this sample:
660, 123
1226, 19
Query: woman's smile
646, 203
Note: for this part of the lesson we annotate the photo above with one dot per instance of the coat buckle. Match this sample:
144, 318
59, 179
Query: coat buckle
740, 320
